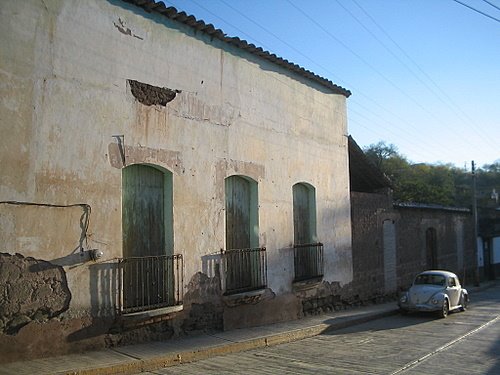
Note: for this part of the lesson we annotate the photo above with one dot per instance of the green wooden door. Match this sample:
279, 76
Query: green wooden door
143, 211
301, 215
307, 259
238, 263
146, 276
237, 213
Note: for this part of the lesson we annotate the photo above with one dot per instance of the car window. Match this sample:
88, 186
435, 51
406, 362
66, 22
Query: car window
452, 282
430, 279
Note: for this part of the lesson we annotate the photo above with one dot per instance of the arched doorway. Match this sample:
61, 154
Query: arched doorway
147, 237
307, 252
244, 261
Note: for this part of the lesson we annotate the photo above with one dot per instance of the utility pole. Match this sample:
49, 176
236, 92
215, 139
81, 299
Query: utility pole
474, 216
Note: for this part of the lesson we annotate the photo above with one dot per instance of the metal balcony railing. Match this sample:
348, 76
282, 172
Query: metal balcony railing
308, 261
244, 269
150, 282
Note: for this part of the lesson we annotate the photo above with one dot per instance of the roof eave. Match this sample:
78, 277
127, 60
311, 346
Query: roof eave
200, 26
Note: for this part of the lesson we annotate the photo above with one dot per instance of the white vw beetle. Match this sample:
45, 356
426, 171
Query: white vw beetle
435, 290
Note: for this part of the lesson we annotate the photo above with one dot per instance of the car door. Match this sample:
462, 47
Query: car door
453, 291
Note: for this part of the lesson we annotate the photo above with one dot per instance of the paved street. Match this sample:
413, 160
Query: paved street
464, 343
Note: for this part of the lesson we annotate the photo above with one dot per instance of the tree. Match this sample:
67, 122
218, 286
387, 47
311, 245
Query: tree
380, 153
441, 184
424, 183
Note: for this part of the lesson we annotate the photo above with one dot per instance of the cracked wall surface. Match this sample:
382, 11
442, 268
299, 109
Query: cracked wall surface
31, 290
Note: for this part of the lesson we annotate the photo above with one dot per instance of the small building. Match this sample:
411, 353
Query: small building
161, 178
392, 241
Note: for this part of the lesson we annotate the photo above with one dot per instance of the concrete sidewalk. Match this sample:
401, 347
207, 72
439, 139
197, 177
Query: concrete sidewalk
154, 355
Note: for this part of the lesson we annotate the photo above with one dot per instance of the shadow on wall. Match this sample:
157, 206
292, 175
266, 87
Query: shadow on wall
104, 283
104, 288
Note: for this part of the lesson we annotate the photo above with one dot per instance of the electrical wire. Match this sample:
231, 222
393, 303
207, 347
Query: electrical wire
85, 219
493, 5
418, 104
477, 10
417, 131
449, 102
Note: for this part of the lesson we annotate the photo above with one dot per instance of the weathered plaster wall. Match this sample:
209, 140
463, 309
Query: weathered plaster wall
64, 98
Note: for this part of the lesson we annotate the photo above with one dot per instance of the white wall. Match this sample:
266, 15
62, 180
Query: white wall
64, 94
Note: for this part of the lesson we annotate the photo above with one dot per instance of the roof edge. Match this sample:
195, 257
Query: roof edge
428, 206
171, 13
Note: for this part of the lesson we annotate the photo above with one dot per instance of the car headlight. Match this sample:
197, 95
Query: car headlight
434, 301
403, 299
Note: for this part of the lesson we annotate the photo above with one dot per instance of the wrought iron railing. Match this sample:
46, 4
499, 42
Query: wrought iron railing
308, 261
150, 282
244, 269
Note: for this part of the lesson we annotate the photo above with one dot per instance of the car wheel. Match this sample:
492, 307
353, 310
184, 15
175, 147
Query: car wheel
465, 302
443, 313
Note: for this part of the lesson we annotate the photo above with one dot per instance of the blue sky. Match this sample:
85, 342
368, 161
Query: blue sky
424, 74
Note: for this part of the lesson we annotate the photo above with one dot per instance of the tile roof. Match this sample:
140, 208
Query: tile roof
151, 6
364, 176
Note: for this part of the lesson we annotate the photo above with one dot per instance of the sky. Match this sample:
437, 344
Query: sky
424, 74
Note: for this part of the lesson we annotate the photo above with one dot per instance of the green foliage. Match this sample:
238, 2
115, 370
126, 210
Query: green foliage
442, 184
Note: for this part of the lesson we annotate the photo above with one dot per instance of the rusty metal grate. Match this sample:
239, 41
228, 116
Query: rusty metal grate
244, 269
308, 261
150, 282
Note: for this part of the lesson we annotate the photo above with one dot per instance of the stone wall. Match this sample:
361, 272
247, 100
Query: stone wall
31, 290
454, 239
411, 243
368, 212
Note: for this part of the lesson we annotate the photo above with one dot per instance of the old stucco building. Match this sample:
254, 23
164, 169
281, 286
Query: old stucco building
158, 178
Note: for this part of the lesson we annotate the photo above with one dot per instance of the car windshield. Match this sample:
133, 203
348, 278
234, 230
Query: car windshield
430, 279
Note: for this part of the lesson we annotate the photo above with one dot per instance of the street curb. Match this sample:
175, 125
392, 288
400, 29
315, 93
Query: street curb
162, 361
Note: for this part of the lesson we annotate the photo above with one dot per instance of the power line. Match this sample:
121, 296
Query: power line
423, 146
311, 19
493, 5
451, 104
477, 10
314, 62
